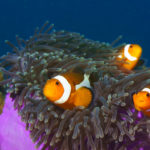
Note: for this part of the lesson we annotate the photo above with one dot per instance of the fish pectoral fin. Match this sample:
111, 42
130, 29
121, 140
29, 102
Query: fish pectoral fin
83, 97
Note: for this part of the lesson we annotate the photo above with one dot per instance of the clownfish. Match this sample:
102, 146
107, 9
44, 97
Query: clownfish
130, 55
69, 90
142, 101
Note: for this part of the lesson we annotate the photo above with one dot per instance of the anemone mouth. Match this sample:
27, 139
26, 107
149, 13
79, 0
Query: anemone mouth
109, 123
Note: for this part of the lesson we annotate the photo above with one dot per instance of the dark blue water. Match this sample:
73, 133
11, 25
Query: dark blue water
96, 19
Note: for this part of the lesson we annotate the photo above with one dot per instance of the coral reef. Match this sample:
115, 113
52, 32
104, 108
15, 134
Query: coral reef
109, 123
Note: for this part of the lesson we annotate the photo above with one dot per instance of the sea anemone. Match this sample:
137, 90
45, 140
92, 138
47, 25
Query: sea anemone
109, 123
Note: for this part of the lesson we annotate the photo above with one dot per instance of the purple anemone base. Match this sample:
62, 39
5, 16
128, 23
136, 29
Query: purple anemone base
13, 135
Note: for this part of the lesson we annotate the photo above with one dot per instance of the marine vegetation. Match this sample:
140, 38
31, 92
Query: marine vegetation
110, 122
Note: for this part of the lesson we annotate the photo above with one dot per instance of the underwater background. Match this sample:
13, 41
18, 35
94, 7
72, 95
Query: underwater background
102, 20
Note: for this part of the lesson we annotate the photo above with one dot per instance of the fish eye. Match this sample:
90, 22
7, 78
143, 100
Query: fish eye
147, 94
131, 46
57, 83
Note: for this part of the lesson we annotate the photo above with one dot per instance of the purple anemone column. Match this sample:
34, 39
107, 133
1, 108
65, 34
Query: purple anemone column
13, 135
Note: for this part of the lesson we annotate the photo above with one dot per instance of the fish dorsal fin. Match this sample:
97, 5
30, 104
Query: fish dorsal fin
75, 75
78, 70
84, 83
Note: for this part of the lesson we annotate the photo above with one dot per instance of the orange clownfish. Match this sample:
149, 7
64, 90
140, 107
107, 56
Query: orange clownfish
142, 101
130, 54
69, 90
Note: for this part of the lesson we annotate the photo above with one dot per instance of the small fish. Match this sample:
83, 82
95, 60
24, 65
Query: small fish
142, 101
69, 90
130, 55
